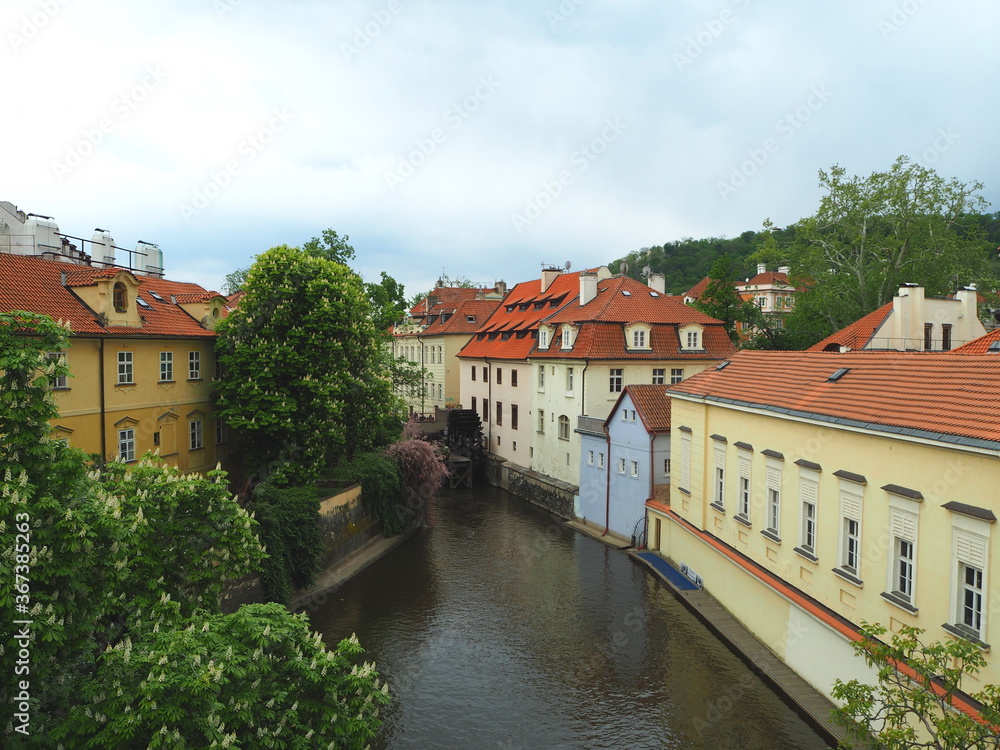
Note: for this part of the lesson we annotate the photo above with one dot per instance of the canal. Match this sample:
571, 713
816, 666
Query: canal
499, 628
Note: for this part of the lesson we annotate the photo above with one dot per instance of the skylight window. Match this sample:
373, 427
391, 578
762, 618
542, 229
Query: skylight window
995, 346
723, 365
626, 292
654, 294
839, 374
142, 303
156, 296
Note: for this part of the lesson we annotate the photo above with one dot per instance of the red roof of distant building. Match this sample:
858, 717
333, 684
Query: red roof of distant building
982, 344
858, 334
934, 395
653, 405
36, 285
698, 289
466, 318
445, 296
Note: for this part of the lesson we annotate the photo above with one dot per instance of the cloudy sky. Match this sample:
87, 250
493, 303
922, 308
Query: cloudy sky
478, 138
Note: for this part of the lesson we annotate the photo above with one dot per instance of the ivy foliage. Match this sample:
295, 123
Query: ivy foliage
913, 705
289, 531
381, 490
301, 360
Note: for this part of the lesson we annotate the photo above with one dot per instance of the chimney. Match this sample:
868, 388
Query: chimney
658, 282
969, 299
762, 268
548, 276
588, 287
785, 270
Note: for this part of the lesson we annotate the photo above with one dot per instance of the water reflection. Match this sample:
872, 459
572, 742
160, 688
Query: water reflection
497, 627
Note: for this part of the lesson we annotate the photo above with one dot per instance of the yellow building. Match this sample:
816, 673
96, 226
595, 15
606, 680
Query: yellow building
141, 358
811, 491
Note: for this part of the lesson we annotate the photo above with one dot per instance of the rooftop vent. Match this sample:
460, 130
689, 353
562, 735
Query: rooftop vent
722, 365
839, 374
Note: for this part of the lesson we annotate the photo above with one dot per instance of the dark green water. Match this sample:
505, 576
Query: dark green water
499, 628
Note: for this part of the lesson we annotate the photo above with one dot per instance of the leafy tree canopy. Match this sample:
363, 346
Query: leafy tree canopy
722, 301
301, 357
913, 703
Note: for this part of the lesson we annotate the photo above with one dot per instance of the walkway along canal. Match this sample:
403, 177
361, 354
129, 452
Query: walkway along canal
498, 627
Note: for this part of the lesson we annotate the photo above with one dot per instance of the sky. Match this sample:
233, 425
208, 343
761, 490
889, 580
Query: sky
476, 139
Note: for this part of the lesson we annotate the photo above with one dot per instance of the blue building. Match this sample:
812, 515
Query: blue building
625, 460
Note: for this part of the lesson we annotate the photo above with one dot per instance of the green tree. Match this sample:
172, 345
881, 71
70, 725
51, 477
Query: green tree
388, 302
723, 302
330, 246
235, 280
301, 358
872, 234
913, 704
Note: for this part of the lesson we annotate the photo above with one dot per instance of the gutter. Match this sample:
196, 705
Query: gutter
104, 429
607, 491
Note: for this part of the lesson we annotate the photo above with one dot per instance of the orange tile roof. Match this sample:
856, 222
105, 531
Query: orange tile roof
980, 345
653, 405
458, 318
934, 395
447, 296
698, 289
858, 334
35, 285
768, 278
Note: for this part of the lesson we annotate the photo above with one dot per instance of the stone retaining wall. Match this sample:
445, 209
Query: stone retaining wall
552, 494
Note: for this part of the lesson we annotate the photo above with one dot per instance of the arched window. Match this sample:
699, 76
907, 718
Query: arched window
563, 427
120, 298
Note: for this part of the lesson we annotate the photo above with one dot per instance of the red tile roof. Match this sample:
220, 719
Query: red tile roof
935, 395
981, 345
698, 289
768, 278
446, 296
36, 285
653, 405
858, 334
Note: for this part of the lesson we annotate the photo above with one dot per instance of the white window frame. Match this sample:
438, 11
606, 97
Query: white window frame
590, 458
970, 553
774, 476
621, 466
166, 367
541, 421
659, 376
569, 381
567, 337
541, 378
126, 444
743, 499
634, 469
719, 474
563, 423
686, 461
220, 431
194, 365
600, 461
616, 379
126, 372
196, 434
851, 509
676, 375
903, 533
809, 509
58, 381
639, 338
543, 338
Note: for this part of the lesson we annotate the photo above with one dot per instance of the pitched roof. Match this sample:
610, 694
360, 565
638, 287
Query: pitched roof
455, 320
943, 396
36, 285
446, 296
858, 334
624, 300
768, 278
981, 345
653, 405
698, 289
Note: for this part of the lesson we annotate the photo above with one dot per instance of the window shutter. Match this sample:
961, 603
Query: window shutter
809, 491
745, 466
970, 549
773, 479
851, 506
903, 525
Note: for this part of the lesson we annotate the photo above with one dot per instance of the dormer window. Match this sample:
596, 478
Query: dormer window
638, 339
638, 336
120, 297
567, 337
543, 338
691, 337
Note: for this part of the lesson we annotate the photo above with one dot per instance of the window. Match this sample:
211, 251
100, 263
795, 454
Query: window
666, 467
513, 416
590, 458
633, 468
125, 368
563, 427
486, 410
928, 336
615, 383
850, 531
473, 373
686, 461
971, 605
541, 378
945, 337
57, 381
120, 297
600, 461
970, 551
903, 543
774, 500
808, 494
485, 378
499, 376
166, 367
762, 302
676, 375
743, 499
720, 477
903, 562
567, 337
221, 435
541, 421
218, 369
126, 444
694, 339
474, 405
499, 412
639, 339
194, 365
621, 465
543, 338
197, 434
513, 378
569, 381
659, 376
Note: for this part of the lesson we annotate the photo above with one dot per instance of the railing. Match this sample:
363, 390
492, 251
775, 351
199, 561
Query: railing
591, 425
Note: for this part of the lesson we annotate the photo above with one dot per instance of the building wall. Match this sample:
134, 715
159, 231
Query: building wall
912, 311
152, 409
591, 504
940, 473
503, 439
